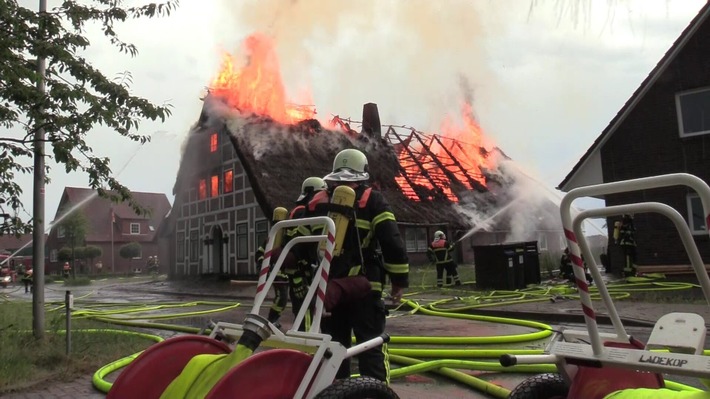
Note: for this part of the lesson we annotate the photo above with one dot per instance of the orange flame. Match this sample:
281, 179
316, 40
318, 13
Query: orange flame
454, 157
257, 86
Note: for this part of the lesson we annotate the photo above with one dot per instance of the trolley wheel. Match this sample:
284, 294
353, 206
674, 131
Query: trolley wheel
543, 386
152, 371
358, 388
274, 373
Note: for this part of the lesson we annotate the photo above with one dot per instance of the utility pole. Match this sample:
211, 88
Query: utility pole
38, 202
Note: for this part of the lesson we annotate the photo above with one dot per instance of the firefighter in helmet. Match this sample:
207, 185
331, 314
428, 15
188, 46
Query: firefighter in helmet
440, 252
28, 279
357, 274
626, 239
300, 274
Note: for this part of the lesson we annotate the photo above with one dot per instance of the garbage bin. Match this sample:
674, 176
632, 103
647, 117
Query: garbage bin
508, 266
532, 263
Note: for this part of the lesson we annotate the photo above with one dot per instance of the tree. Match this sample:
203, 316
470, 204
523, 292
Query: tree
92, 252
75, 226
64, 254
79, 257
130, 251
78, 97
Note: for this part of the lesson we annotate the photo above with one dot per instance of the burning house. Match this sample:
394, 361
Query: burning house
249, 152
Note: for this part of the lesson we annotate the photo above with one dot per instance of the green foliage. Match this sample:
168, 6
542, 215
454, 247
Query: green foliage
92, 251
64, 254
79, 99
80, 253
130, 250
26, 361
75, 227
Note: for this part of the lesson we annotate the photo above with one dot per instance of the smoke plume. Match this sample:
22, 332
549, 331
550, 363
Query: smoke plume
407, 56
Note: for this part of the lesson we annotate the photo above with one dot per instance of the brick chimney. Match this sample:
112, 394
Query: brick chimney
371, 125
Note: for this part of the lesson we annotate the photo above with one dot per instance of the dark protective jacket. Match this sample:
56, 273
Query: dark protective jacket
376, 226
439, 252
626, 234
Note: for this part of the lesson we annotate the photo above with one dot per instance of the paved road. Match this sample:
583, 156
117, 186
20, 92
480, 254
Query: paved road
416, 386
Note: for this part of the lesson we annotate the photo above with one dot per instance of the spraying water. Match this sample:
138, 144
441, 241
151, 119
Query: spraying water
484, 223
73, 208
550, 195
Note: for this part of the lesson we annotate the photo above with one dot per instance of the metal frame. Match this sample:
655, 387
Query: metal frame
572, 347
327, 354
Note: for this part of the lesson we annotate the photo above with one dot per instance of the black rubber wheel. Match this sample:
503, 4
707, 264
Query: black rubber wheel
358, 388
543, 386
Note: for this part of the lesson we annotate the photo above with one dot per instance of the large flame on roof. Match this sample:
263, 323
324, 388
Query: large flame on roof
256, 86
456, 155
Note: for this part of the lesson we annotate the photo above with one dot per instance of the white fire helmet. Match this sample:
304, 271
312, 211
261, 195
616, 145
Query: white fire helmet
311, 185
439, 235
349, 166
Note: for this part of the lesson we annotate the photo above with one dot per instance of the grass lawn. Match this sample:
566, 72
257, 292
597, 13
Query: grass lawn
424, 276
26, 361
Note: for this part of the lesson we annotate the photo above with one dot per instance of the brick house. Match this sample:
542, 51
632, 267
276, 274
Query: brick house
663, 128
235, 170
16, 251
111, 226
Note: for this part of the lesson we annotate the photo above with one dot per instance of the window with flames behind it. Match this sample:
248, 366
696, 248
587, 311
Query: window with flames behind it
213, 142
202, 189
228, 181
214, 186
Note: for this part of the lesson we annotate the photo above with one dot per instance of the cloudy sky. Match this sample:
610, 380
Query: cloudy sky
546, 75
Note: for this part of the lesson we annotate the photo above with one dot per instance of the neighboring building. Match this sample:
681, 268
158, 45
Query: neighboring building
110, 226
16, 251
236, 169
663, 128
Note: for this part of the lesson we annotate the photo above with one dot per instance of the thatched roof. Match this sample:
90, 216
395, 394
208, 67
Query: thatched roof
277, 158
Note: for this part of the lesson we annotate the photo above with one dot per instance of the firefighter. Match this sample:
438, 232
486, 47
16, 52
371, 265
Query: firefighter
354, 302
300, 274
440, 253
27, 278
626, 239
566, 271
567, 268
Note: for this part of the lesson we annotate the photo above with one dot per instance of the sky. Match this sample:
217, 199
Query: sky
546, 76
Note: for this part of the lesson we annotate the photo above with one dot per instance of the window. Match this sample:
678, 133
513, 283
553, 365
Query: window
135, 228
60, 232
214, 186
213, 142
416, 239
693, 108
696, 216
242, 241
194, 246
202, 190
180, 247
563, 242
140, 254
228, 181
262, 231
53, 255
542, 242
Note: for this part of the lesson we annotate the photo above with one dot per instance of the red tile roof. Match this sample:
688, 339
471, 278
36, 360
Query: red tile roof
13, 243
98, 211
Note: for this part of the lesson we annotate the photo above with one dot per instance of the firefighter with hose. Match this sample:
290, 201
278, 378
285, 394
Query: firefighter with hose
440, 254
357, 276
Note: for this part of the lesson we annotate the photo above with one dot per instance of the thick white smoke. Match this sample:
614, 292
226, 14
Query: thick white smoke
407, 56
